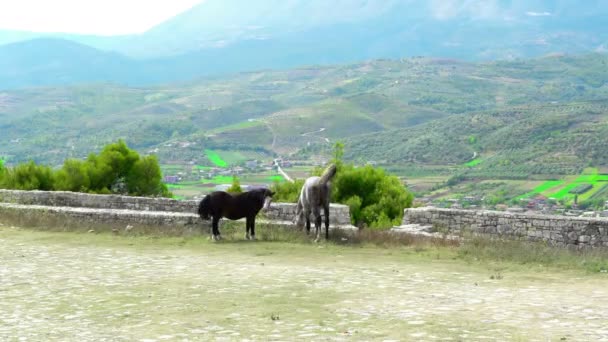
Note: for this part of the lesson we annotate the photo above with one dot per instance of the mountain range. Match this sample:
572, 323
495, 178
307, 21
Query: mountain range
227, 36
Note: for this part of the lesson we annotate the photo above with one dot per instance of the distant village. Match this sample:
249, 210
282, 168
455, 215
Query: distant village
247, 167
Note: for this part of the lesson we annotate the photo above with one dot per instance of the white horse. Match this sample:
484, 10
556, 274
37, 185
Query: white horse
314, 196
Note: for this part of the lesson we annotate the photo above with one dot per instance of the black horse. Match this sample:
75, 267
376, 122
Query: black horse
220, 204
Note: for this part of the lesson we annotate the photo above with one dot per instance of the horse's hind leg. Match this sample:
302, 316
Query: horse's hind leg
215, 229
326, 211
317, 214
307, 213
252, 229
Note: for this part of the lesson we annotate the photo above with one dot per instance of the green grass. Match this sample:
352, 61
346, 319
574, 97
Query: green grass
175, 186
560, 189
599, 191
473, 162
232, 157
171, 168
224, 158
217, 180
275, 178
564, 192
596, 180
590, 171
215, 158
236, 126
542, 188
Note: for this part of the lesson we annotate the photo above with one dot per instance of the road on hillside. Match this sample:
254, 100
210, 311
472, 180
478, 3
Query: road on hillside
80, 287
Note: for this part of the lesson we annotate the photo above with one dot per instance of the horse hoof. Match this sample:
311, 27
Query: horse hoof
252, 238
216, 237
247, 237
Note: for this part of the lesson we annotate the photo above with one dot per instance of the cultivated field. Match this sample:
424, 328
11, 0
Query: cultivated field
99, 287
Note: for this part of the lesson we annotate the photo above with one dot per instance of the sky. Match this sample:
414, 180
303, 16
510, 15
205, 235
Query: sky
100, 17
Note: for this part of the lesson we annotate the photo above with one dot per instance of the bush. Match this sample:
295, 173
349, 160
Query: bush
144, 178
73, 176
2, 169
236, 186
375, 198
117, 169
287, 191
28, 176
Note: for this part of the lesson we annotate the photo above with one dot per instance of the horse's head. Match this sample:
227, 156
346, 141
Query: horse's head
267, 199
299, 218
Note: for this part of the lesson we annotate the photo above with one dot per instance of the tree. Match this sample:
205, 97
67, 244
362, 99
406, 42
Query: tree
73, 176
236, 186
144, 178
28, 176
117, 169
114, 164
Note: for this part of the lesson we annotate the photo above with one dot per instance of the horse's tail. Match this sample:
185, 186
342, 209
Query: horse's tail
327, 175
203, 208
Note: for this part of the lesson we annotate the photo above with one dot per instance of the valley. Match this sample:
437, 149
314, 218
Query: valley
447, 127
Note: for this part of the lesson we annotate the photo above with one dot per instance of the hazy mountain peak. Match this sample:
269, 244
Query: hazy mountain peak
220, 36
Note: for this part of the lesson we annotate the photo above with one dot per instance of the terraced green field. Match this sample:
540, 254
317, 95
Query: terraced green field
215, 158
561, 189
473, 162
551, 184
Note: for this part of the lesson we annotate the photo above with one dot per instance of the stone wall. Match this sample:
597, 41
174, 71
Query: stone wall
339, 214
574, 232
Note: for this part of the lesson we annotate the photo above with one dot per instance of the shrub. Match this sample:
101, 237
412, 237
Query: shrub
144, 178
2, 169
28, 176
375, 198
236, 186
73, 176
117, 169
287, 191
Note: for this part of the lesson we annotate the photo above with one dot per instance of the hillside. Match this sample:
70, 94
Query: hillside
509, 143
50, 61
411, 110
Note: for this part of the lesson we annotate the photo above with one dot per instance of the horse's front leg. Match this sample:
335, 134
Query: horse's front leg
215, 228
247, 224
